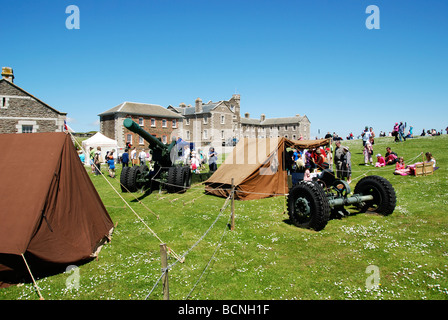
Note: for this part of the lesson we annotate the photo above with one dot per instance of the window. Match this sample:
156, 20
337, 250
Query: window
205, 134
27, 129
223, 119
187, 122
140, 121
164, 139
205, 119
140, 140
164, 123
294, 137
294, 128
188, 135
174, 123
4, 104
222, 134
129, 138
153, 122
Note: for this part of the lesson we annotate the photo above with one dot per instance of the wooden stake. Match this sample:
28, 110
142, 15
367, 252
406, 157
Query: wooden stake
232, 199
164, 260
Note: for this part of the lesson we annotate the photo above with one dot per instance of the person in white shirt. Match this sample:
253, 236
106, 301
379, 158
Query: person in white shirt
134, 156
142, 157
366, 136
186, 155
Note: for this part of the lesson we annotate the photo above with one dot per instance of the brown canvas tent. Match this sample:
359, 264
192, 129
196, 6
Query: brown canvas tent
257, 166
50, 212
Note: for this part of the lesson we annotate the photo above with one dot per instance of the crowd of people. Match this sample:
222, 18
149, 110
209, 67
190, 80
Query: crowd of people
131, 156
301, 163
197, 160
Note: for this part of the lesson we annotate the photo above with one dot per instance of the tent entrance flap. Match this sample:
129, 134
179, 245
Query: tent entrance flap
258, 168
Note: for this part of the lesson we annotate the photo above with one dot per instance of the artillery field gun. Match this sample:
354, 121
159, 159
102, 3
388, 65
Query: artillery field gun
311, 203
166, 171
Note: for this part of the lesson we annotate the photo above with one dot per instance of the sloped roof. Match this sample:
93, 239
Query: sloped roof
29, 94
143, 109
99, 139
57, 216
273, 121
188, 111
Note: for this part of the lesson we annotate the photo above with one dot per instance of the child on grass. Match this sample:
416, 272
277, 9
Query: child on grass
111, 163
381, 161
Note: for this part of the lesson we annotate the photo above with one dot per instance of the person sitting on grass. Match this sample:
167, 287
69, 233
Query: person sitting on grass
390, 157
400, 168
381, 161
410, 169
430, 158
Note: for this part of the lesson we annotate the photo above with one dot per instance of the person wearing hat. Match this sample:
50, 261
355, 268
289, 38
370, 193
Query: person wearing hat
381, 161
346, 164
338, 157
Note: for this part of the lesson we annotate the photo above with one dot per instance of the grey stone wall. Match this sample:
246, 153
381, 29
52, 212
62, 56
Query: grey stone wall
17, 109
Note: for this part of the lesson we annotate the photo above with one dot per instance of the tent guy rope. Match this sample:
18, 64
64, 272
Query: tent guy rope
133, 211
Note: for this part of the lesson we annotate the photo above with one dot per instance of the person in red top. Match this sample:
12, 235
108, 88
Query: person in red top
400, 168
381, 161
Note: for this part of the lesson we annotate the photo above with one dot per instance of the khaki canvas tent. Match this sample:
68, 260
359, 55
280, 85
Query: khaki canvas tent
257, 167
50, 212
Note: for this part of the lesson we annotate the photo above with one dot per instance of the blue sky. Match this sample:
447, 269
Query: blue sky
283, 57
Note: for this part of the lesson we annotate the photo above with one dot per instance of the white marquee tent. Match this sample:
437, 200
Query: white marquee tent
100, 140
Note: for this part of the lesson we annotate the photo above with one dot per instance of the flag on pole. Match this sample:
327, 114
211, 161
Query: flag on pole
65, 126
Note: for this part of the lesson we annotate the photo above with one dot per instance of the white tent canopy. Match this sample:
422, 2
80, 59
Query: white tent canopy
100, 140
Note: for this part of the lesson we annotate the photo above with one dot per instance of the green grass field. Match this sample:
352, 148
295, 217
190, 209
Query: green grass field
266, 257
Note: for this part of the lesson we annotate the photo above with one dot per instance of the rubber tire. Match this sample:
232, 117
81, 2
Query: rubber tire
188, 177
124, 179
171, 179
183, 179
132, 179
318, 204
385, 198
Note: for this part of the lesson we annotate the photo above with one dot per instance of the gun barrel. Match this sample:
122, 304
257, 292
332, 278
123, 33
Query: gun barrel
134, 127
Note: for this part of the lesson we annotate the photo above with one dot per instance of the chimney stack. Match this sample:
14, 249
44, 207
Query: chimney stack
263, 117
246, 115
8, 74
198, 105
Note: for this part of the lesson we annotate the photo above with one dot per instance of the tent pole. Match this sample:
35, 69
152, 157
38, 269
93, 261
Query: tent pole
34, 281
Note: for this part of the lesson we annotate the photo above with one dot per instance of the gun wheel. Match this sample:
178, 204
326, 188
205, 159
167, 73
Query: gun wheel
308, 206
384, 197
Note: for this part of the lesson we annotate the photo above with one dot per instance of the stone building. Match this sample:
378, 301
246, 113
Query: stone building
220, 124
157, 120
212, 123
216, 124
294, 128
21, 112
